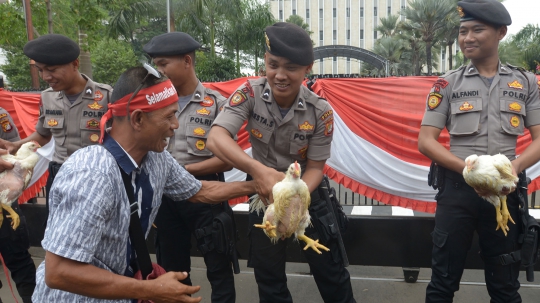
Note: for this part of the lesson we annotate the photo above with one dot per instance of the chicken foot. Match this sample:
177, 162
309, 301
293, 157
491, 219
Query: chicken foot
268, 227
15, 219
503, 215
314, 244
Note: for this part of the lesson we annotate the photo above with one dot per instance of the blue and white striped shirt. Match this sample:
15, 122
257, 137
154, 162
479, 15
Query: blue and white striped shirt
89, 209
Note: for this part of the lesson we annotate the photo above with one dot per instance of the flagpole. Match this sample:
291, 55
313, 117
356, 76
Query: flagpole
168, 16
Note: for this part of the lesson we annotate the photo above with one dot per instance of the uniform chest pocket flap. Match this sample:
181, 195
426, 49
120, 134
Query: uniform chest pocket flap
513, 113
53, 122
465, 117
196, 139
259, 136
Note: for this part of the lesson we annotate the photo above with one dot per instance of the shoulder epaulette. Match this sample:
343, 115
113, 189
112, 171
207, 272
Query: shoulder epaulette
452, 71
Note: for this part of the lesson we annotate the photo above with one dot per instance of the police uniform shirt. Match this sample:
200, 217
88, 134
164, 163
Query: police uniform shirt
76, 125
481, 118
8, 130
305, 132
188, 145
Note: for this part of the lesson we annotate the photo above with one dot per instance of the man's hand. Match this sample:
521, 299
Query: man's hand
4, 165
11, 147
265, 180
169, 290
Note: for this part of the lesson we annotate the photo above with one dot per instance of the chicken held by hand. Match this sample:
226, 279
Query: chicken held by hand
289, 213
489, 176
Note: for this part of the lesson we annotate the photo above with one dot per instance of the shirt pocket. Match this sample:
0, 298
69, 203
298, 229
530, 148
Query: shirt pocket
465, 117
512, 116
196, 135
259, 136
90, 131
298, 150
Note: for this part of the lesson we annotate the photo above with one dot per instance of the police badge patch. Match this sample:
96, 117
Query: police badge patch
237, 98
6, 126
434, 100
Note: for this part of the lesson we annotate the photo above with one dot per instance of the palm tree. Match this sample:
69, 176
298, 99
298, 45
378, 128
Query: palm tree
391, 48
388, 26
127, 16
428, 18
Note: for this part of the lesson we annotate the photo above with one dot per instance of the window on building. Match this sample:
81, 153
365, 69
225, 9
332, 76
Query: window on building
374, 34
348, 34
307, 13
321, 13
294, 12
361, 34
361, 12
348, 12
334, 34
281, 15
334, 12
375, 11
321, 36
389, 10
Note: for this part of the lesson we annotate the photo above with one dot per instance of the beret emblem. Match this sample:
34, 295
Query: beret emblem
267, 41
460, 11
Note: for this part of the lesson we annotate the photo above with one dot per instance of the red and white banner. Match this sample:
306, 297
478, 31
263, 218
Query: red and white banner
374, 151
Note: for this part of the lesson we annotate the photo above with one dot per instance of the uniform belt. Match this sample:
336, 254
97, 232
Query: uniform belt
454, 176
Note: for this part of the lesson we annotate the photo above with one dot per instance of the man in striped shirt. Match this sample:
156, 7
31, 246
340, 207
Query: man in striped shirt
86, 240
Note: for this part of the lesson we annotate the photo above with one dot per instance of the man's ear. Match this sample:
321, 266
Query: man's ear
137, 119
502, 32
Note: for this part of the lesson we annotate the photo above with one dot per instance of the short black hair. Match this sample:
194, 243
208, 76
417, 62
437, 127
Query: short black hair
130, 80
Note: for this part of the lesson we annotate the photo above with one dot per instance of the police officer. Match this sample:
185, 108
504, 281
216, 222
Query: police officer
14, 244
71, 108
174, 56
485, 106
286, 123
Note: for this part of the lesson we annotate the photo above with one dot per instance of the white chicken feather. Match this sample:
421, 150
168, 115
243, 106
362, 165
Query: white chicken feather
14, 181
489, 175
289, 213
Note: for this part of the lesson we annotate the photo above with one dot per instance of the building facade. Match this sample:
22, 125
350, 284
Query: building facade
339, 22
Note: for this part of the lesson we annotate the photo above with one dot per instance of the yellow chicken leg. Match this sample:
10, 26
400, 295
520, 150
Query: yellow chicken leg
314, 244
15, 220
505, 213
268, 227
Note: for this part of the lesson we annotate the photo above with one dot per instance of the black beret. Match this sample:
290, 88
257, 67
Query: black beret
169, 44
52, 49
490, 11
289, 40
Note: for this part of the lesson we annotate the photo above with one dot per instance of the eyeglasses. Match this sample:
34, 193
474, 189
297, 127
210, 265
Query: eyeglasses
151, 71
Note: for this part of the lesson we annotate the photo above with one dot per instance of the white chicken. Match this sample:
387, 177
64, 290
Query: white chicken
289, 213
13, 182
489, 175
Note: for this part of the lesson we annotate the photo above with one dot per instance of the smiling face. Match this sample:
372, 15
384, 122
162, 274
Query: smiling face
284, 78
59, 77
176, 68
159, 128
480, 41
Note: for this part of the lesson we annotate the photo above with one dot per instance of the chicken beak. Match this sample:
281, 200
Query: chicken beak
296, 172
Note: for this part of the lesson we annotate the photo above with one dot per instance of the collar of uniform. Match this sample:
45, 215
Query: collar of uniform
503, 69
198, 94
470, 70
266, 92
299, 103
120, 155
88, 91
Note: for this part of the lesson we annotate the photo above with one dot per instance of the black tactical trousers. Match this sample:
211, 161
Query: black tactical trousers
14, 246
176, 221
460, 212
268, 261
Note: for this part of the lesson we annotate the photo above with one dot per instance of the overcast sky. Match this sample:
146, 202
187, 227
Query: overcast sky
522, 12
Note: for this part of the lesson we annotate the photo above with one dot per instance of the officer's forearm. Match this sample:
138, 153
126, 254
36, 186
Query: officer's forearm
208, 166
35, 136
431, 148
225, 148
313, 174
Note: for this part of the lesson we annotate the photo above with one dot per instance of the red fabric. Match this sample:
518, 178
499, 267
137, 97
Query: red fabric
23, 108
156, 272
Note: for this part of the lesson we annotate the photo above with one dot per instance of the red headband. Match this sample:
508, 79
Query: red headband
148, 99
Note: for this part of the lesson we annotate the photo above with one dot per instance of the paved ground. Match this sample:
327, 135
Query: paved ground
370, 284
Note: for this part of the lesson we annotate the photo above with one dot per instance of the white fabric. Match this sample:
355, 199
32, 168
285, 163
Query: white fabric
45, 156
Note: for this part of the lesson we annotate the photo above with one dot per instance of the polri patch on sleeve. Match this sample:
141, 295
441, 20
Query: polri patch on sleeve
439, 84
6, 126
237, 98
434, 99
329, 127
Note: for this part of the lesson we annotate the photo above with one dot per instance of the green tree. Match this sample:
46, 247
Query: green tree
428, 18
262, 17
295, 19
213, 69
388, 26
391, 49
17, 69
111, 58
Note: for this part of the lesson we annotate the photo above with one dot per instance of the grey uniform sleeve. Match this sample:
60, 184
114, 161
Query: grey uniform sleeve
437, 105
236, 110
533, 102
45, 132
321, 142
8, 130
